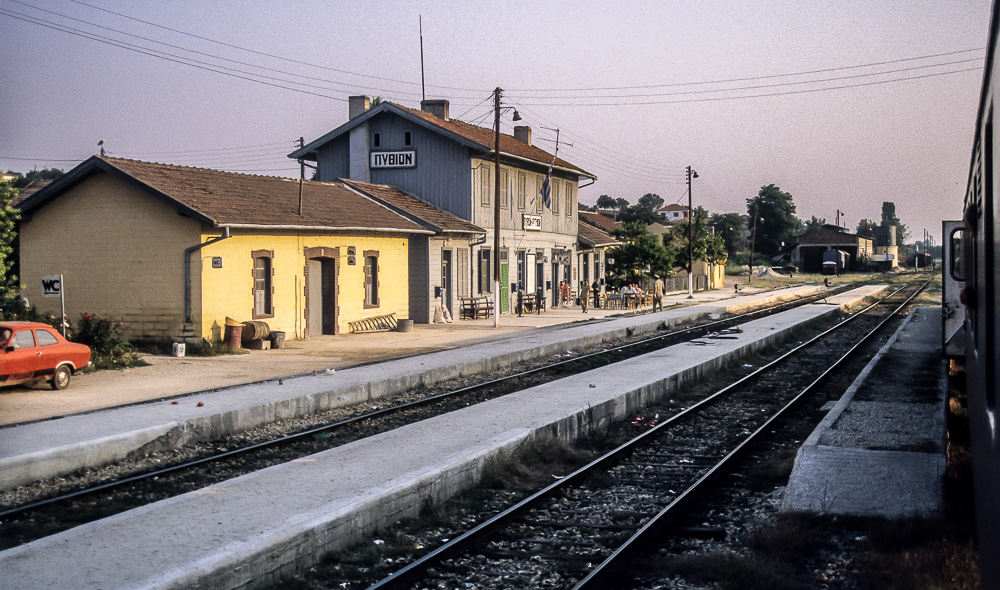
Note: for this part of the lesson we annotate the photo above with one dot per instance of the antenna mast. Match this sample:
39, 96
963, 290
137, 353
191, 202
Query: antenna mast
423, 90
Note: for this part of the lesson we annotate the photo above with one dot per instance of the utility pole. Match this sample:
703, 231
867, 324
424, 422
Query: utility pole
690, 174
753, 239
839, 213
302, 173
496, 208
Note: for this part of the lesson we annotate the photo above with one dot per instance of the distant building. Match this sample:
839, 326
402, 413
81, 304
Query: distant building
808, 253
673, 213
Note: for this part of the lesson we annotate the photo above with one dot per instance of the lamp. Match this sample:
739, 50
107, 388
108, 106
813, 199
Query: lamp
517, 115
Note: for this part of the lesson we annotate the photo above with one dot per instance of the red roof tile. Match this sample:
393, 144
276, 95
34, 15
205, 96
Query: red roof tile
438, 218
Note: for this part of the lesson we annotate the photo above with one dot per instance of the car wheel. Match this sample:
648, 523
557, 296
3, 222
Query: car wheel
60, 379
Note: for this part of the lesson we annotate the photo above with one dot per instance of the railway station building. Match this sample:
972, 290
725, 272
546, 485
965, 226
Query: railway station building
451, 165
175, 251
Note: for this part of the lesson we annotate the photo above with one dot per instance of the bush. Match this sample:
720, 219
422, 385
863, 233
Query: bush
104, 337
16, 310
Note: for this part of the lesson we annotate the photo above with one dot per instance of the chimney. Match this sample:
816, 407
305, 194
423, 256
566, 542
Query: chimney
437, 107
522, 133
357, 105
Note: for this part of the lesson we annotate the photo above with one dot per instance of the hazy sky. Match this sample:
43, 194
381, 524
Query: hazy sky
748, 93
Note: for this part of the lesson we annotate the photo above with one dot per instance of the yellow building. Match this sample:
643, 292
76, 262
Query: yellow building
173, 251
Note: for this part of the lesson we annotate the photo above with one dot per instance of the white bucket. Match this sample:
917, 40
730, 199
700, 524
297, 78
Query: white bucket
178, 349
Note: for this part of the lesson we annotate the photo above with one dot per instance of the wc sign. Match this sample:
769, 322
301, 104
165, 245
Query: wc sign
51, 285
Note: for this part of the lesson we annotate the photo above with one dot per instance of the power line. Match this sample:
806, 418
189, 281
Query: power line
265, 54
764, 77
764, 86
157, 54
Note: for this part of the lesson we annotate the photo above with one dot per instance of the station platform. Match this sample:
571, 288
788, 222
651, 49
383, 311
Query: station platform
253, 530
52, 448
880, 450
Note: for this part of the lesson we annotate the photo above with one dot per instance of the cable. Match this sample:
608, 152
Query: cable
305, 63
765, 77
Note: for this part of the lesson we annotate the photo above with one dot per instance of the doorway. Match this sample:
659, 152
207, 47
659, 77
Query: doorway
446, 285
321, 300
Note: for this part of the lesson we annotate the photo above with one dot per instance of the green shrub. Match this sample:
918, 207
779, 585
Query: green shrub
107, 347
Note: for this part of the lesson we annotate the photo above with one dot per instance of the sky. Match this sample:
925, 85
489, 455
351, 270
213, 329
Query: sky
843, 104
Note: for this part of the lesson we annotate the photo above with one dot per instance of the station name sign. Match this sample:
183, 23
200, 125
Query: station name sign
406, 159
532, 222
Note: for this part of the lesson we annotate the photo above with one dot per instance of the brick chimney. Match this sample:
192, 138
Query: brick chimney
522, 133
357, 105
437, 107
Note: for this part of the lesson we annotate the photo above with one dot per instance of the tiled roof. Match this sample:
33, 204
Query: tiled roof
486, 138
592, 236
24, 193
439, 219
599, 220
480, 138
226, 198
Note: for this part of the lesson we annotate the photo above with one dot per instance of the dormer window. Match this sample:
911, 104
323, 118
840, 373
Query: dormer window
407, 138
377, 140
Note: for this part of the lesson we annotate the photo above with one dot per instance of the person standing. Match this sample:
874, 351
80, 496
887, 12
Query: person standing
658, 293
584, 295
597, 294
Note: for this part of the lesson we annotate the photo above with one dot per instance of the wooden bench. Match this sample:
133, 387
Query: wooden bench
474, 308
379, 323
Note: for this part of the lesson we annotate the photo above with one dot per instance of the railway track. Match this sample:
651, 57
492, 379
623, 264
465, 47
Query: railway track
576, 532
19, 524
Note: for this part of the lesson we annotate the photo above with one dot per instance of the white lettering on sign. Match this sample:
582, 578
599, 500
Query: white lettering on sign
394, 159
51, 285
532, 222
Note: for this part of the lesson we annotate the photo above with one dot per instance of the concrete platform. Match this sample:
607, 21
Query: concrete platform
252, 530
880, 451
42, 450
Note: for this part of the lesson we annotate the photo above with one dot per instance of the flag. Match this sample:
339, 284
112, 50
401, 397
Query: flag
547, 186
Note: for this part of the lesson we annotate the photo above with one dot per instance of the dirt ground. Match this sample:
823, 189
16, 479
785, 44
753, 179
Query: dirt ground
169, 376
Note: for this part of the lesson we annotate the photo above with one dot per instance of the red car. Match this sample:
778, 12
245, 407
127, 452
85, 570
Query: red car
36, 352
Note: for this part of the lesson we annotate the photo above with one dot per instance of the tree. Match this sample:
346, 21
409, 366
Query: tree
706, 246
606, 202
776, 220
9, 284
45, 174
815, 224
889, 218
731, 227
640, 255
866, 229
645, 210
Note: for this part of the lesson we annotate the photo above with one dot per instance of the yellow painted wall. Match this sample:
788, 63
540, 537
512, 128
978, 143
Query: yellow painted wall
229, 291
120, 251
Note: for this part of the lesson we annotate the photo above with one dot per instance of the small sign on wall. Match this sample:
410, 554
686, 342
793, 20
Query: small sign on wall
407, 159
217, 262
532, 222
51, 285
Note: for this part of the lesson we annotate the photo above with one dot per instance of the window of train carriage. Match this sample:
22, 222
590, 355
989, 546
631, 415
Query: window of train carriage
263, 283
956, 255
371, 279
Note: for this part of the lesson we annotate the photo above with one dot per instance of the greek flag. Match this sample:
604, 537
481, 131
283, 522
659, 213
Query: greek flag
547, 187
